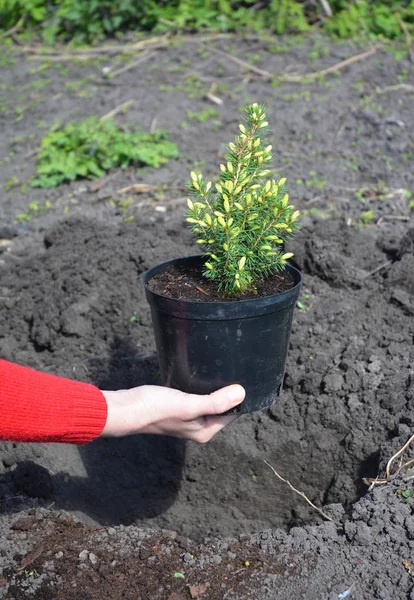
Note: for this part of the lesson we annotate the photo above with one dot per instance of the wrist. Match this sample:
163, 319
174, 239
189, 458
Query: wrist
122, 408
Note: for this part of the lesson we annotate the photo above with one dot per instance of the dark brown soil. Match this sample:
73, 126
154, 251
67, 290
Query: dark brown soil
185, 283
72, 303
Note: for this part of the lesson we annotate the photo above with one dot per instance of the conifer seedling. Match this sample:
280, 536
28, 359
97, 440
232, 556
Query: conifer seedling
243, 224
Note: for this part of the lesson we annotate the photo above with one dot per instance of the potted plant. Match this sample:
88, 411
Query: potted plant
225, 316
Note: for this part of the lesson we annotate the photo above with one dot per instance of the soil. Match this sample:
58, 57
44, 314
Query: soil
126, 518
188, 283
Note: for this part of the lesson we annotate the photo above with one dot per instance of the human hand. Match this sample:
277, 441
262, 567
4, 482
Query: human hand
161, 410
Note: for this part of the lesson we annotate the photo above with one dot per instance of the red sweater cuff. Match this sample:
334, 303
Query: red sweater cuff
38, 407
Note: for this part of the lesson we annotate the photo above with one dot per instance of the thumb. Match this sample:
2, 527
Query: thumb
220, 401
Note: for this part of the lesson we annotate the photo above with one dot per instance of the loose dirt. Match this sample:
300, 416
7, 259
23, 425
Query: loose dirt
158, 517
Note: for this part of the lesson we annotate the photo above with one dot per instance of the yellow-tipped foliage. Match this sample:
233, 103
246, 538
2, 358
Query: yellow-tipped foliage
245, 222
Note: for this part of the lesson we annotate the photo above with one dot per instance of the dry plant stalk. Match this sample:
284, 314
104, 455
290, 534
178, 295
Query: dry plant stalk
144, 56
406, 33
396, 455
64, 54
319, 510
404, 87
13, 29
137, 188
294, 78
112, 113
377, 481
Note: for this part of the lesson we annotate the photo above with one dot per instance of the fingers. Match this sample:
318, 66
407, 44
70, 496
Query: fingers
218, 402
211, 426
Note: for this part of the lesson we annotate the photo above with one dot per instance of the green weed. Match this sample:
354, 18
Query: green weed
202, 116
90, 148
30, 573
403, 494
370, 18
11, 182
33, 210
89, 22
367, 217
315, 181
305, 306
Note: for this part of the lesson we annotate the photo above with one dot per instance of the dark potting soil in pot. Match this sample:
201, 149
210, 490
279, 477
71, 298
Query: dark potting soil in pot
188, 283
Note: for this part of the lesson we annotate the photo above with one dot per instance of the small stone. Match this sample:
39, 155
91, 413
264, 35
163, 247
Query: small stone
83, 555
93, 558
59, 554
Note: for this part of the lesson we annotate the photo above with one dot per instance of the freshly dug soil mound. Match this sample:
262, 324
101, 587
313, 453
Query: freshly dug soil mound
78, 309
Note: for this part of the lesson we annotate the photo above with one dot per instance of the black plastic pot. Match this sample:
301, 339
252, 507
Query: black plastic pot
203, 346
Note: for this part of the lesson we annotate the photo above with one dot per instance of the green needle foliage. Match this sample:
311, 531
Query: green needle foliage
245, 222
92, 147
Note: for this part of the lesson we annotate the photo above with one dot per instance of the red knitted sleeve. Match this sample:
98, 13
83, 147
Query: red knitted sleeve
37, 407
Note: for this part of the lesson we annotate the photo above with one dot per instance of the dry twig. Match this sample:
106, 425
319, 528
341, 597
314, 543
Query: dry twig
407, 36
144, 56
377, 481
326, 8
404, 87
342, 64
396, 455
239, 62
373, 482
406, 465
319, 510
64, 54
137, 188
13, 29
392, 217
211, 95
60, 57
377, 269
117, 110
295, 78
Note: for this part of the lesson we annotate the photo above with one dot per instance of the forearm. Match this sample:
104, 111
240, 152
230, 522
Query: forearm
38, 407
